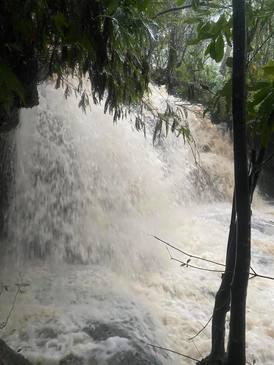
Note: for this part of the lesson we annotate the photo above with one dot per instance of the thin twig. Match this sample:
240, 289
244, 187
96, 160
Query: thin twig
177, 8
169, 350
187, 264
265, 162
259, 48
197, 348
253, 271
19, 287
188, 254
201, 330
253, 274
5, 322
201, 268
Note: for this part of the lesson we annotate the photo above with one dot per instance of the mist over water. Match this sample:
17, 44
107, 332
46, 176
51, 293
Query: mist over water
89, 196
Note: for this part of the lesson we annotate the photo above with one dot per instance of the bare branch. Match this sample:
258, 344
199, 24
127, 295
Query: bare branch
5, 322
197, 348
201, 330
253, 274
256, 275
187, 264
178, 8
188, 254
184, 7
5, 287
265, 162
168, 350
259, 48
171, 10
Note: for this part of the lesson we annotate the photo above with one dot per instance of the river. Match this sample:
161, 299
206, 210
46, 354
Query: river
89, 197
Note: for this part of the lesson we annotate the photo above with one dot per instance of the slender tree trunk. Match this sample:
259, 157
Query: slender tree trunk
236, 343
172, 60
222, 299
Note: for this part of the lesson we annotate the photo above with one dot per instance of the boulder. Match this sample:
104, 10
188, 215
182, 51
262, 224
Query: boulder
71, 360
136, 354
11, 357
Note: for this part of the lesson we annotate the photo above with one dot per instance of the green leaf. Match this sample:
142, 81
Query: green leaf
192, 20
260, 95
267, 105
60, 21
219, 49
258, 85
216, 49
269, 69
205, 30
112, 6
195, 4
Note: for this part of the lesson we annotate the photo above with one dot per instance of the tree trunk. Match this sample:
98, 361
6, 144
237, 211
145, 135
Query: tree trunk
172, 61
222, 299
223, 296
236, 344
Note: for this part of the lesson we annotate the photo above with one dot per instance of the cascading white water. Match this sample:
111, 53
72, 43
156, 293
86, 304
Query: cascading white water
89, 196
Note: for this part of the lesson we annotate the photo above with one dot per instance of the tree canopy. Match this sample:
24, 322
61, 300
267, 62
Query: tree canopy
107, 41
121, 45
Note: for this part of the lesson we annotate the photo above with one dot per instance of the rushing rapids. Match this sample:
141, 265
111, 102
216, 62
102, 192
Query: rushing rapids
88, 198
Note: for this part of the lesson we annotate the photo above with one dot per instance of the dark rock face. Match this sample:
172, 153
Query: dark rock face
10, 357
7, 164
9, 120
138, 357
72, 360
47, 333
137, 354
111, 344
102, 331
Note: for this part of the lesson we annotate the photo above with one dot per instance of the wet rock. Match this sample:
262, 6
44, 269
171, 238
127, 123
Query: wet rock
9, 120
48, 332
137, 357
11, 357
206, 148
102, 331
72, 360
135, 354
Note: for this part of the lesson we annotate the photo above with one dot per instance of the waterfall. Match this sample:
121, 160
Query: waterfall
89, 195
89, 188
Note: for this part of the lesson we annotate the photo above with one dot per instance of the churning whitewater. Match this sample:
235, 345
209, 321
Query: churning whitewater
97, 287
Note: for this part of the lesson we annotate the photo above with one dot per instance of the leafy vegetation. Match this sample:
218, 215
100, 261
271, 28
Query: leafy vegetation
199, 42
105, 41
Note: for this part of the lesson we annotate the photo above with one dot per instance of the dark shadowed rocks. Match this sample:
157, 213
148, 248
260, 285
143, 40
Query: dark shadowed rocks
72, 360
7, 165
11, 357
136, 354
